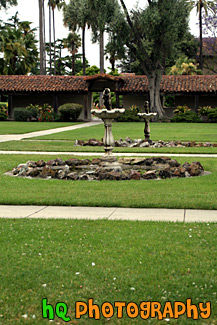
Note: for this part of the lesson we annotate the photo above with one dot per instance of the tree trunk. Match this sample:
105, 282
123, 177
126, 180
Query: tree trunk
201, 39
101, 61
73, 58
44, 38
101, 52
41, 37
50, 35
154, 80
54, 42
83, 50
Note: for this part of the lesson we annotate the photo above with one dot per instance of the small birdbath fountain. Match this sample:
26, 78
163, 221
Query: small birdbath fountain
108, 114
147, 117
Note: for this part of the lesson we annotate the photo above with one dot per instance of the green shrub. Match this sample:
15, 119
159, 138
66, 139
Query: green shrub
181, 109
189, 117
3, 107
203, 111
34, 110
70, 112
130, 115
22, 114
212, 115
3, 116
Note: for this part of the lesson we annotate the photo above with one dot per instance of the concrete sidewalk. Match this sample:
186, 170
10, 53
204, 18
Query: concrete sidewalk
95, 213
98, 154
16, 137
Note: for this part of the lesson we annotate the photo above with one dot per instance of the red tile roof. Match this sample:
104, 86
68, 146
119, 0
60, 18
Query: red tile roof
42, 84
172, 84
127, 84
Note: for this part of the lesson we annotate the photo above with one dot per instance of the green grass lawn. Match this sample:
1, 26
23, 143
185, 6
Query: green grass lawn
63, 145
10, 127
75, 260
200, 132
192, 193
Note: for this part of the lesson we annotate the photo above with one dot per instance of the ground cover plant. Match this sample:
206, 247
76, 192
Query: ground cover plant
193, 193
75, 260
68, 146
159, 131
11, 127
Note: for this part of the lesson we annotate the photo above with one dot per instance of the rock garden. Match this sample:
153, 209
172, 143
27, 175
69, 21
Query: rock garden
108, 168
142, 143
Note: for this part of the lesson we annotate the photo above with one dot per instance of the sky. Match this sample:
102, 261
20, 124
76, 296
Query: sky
28, 10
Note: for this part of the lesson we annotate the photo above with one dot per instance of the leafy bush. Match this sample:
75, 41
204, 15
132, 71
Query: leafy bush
203, 111
3, 116
189, 116
45, 113
181, 109
70, 112
130, 115
22, 114
4, 107
34, 110
212, 115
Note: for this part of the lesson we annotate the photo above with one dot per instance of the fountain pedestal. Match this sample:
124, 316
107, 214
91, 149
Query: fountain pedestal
147, 117
108, 116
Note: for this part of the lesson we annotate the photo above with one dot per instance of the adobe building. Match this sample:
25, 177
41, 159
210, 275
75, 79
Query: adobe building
193, 91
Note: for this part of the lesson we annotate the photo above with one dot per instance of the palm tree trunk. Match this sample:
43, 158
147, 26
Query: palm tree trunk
50, 35
201, 39
83, 50
41, 41
54, 40
44, 38
41, 37
101, 61
101, 52
73, 58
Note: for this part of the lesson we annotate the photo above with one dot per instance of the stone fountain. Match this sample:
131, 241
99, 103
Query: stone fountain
147, 116
108, 114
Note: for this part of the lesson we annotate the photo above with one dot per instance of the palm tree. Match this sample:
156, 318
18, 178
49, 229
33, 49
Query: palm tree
200, 5
77, 15
18, 45
72, 43
53, 4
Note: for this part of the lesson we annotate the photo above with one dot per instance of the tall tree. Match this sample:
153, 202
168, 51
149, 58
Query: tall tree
155, 32
18, 45
102, 14
72, 43
115, 48
77, 15
53, 4
210, 41
6, 3
200, 5
42, 37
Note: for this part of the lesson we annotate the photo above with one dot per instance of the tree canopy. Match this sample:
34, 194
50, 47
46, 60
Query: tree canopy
6, 3
18, 45
155, 32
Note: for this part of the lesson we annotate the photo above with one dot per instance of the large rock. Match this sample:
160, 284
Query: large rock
40, 163
195, 169
151, 174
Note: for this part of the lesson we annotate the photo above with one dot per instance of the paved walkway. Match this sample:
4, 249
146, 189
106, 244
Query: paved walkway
16, 137
95, 213
119, 154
